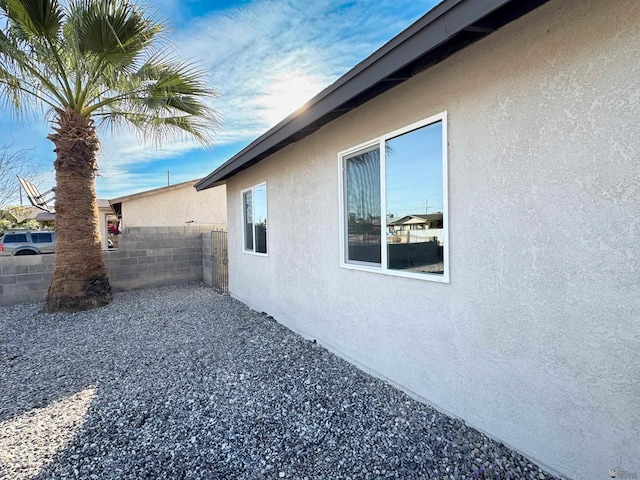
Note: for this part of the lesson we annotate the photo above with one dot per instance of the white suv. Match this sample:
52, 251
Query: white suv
27, 242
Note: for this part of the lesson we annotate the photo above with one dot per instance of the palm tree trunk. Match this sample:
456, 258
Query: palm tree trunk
79, 276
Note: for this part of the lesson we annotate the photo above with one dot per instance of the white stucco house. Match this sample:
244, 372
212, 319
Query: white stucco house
519, 121
173, 206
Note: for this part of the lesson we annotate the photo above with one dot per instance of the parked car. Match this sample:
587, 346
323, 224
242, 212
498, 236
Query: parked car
27, 242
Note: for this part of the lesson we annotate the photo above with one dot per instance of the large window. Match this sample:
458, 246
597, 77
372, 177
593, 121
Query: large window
394, 202
254, 219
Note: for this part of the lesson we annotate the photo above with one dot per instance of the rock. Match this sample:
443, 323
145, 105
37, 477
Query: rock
180, 382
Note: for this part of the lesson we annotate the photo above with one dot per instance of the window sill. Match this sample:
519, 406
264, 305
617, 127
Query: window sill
429, 277
255, 254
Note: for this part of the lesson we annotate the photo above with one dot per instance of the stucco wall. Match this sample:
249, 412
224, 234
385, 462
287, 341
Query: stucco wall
536, 338
177, 206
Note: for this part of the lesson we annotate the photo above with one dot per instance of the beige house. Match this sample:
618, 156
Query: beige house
174, 205
519, 121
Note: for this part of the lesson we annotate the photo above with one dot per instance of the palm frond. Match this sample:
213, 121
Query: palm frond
102, 58
174, 86
35, 18
157, 130
24, 81
164, 95
114, 31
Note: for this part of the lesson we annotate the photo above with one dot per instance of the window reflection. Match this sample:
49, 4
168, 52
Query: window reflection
260, 217
248, 221
255, 219
363, 207
414, 201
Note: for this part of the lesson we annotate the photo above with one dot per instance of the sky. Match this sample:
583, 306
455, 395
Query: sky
265, 58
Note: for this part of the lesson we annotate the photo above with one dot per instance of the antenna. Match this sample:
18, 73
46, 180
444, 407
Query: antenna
37, 199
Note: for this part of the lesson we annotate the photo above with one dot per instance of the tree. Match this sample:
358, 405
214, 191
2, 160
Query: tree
19, 213
12, 163
16, 216
94, 63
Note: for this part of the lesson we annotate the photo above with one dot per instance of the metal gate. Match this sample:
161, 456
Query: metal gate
220, 251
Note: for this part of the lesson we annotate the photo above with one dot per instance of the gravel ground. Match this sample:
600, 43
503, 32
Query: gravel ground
182, 383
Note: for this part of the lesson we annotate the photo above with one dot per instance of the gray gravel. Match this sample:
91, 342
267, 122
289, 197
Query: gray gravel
182, 383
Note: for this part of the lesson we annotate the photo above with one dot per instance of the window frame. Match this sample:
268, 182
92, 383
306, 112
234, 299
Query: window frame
379, 142
243, 219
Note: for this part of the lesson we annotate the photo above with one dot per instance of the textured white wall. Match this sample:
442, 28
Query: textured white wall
175, 207
536, 340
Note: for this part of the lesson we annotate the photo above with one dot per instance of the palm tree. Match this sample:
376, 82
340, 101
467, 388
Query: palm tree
93, 63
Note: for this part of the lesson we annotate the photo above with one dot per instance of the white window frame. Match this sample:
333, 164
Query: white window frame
243, 219
380, 143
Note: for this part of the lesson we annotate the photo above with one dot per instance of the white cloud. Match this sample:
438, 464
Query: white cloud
121, 155
266, 59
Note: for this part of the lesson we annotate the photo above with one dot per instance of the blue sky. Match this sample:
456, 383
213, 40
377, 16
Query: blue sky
266, 58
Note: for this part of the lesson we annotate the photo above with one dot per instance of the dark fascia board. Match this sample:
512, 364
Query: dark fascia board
440, 24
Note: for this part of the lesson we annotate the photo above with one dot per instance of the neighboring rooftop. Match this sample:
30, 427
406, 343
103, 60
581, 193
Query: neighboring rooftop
116, 203
103, 204
38, 214
421, 217
154, 191
445, 29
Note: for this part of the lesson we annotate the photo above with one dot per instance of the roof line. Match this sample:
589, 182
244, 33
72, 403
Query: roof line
408, 53
153, 191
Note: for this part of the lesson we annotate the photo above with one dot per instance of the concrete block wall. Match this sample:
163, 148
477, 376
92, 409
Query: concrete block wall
25, 279
147, 256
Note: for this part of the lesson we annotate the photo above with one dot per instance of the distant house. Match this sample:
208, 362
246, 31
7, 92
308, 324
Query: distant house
416, 226
105, 215
415, 222
415, 241
519, 121
173, 205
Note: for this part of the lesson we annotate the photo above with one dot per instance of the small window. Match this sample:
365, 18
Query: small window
399, 178
41, 237
15, 238
254, 219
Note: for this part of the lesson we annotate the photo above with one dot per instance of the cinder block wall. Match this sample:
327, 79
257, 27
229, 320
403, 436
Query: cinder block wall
25, 279
147, 256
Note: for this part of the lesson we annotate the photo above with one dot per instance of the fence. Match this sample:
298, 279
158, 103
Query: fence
147, 256
216, 261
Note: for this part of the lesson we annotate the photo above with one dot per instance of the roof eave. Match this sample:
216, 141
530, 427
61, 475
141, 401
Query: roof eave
408, 51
